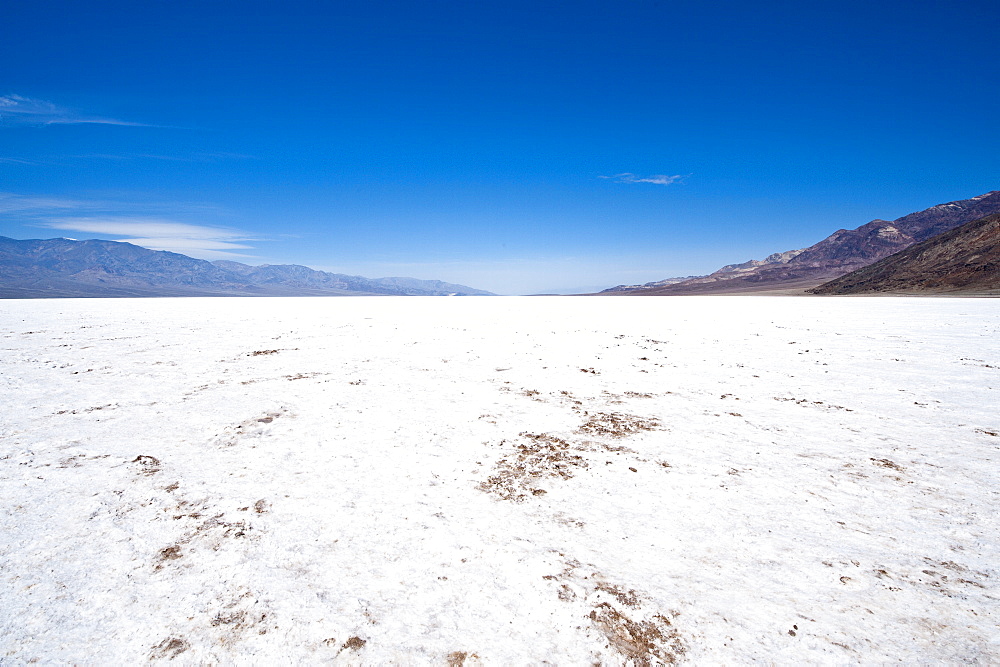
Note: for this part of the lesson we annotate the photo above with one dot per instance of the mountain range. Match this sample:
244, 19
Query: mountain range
965, 259
844, 251
951, 247
94, 268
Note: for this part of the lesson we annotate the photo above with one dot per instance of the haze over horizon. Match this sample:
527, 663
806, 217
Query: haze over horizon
516, 148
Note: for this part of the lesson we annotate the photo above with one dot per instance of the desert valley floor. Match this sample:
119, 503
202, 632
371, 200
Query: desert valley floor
508, 480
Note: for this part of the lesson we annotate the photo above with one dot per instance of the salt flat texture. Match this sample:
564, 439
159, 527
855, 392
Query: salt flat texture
500, 480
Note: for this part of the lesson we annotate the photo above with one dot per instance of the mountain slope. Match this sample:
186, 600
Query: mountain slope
964, 259
95, 268
658, 283
838, 254
438, 286
302, 277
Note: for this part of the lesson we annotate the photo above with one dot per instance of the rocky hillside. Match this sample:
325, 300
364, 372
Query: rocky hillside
840, 253
658, 283
95, 268
964, 259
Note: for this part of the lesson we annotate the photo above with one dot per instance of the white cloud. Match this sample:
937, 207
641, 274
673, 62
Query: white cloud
140, 226
200, 156
201, 241
19, 110
42, 206
657, 179
149, 224
10, 203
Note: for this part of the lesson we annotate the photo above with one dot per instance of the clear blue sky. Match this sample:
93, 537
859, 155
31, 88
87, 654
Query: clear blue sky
511, 146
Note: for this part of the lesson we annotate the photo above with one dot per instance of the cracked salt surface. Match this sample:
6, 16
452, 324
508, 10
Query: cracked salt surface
500, 480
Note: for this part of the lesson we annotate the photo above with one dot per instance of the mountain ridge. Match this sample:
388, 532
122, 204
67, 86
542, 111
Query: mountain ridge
67, 268
840, 253
965, 259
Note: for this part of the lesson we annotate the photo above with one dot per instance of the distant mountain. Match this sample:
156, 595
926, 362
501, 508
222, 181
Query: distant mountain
658, 283
295, 276
69, 268
436, 286
748, 267
840, 253
963, 260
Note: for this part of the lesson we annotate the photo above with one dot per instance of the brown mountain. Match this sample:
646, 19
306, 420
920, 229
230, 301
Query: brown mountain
658, 283
844, 251
963, 260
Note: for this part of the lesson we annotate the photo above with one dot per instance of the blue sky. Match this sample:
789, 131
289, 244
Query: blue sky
513, 146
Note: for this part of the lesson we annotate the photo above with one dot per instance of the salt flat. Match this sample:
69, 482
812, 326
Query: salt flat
505, 480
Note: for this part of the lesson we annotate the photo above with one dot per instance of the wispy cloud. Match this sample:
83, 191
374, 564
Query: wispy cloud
201, 156
121, 157
152, 225
40, 207
20, 110
202, 241
656, 179
12, 203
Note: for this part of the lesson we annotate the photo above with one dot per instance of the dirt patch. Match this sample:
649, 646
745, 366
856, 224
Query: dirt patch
637, 394
252, 428
355, 643
628, 598
300, 376
171, 553
458, 658
169, 649
807, 403
537, 457
640, 635
148, 465
646, 642
886, 463
213, 533
233, 618
616, 424
244, 614
945, 577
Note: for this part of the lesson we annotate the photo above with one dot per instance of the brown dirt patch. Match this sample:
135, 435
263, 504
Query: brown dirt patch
616, 424
648, 642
